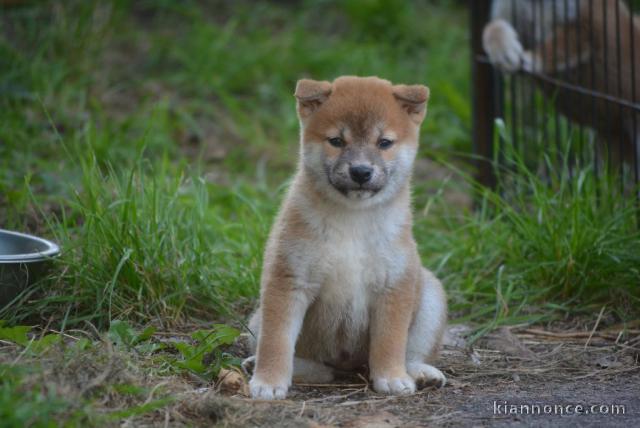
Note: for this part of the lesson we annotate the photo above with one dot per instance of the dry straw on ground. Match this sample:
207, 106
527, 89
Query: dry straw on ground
516, 365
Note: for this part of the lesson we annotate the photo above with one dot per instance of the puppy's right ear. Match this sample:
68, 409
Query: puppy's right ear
310, 95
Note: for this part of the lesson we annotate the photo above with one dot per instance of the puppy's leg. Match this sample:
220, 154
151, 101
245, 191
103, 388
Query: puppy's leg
389, 330
501, 43
311, 371
304, 370
426, 333
281, 314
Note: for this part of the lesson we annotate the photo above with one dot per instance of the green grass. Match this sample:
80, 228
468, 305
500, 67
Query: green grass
147, 243
111, 112
105, 380
20, 407
537, 252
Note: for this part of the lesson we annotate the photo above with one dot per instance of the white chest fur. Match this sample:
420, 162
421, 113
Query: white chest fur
352, 251
353, 255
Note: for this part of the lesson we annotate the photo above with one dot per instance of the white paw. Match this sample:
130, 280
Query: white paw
265, 391
425, 375
501, 43
394, 385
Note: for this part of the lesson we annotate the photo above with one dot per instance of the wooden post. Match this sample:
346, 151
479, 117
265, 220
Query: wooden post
482, 96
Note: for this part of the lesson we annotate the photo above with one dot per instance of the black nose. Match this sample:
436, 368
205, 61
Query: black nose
361, 173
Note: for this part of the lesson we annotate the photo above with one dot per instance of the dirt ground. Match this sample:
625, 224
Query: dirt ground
511, 366
546, 368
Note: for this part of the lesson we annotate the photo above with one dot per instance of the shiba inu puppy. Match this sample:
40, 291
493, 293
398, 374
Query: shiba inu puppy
342, 283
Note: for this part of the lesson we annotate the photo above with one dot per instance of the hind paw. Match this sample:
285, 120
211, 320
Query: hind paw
426, 375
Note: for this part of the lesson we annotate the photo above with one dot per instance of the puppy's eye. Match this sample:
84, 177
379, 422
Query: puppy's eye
336, 142
385, 143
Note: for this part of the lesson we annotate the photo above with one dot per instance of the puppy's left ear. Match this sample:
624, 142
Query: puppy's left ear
413, 99
310, 95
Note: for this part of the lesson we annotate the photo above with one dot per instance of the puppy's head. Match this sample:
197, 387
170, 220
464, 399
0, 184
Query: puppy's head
359, 136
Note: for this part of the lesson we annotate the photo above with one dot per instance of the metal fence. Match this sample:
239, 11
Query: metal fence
573, 103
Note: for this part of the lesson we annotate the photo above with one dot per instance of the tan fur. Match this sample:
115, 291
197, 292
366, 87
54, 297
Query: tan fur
390, 325
342, 284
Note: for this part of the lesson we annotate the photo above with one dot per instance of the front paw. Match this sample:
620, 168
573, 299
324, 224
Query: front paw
501, 43
261, 390
401, 385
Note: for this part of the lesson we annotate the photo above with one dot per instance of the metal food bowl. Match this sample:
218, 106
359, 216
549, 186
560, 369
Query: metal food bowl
23, 260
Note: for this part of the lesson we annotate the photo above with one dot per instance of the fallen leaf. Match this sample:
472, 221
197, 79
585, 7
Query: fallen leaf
231, 381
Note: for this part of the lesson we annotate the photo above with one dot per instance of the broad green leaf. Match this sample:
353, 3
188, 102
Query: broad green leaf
17, 334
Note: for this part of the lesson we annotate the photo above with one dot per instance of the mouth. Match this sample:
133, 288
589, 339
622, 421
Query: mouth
360, 194
357, 192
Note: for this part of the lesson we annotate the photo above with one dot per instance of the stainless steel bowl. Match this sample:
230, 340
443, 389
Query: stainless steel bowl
23, 260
